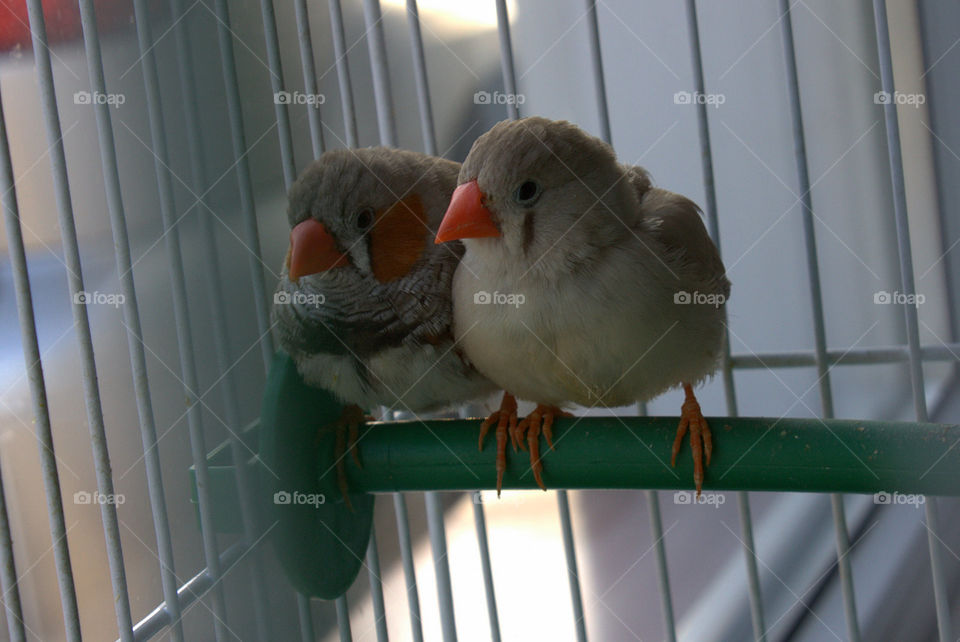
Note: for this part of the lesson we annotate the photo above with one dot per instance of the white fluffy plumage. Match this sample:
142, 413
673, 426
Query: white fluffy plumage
622, 289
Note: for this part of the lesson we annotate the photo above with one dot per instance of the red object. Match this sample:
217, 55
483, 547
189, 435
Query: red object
312, 250
62, 18
467, 217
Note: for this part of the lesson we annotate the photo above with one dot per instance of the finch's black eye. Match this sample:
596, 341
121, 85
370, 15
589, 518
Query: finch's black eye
364, 218
527, 193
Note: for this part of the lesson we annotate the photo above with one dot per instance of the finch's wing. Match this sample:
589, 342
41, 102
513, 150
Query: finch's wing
675, 222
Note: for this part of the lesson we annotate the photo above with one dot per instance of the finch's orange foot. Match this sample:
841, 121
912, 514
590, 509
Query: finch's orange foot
505, 418
347, 428
540, 420
700, 438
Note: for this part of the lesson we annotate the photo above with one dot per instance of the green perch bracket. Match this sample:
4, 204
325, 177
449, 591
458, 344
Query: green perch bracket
321, 543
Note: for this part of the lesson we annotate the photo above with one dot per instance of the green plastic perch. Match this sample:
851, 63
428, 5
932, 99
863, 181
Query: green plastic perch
321, 543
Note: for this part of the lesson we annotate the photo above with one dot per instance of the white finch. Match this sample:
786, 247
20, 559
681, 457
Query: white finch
364, 303
595, 288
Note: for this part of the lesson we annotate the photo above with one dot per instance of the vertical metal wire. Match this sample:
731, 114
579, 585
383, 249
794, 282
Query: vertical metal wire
750, 553
289, 176
247, 206
908, 287
38, 391
343, 73
743, 499
432, 500
131, 313
350, 128
406, 554
218, 307
376, 587
663, 576
309, 76
381, 72
819, 331
596, 57
566, 526
441, 565
316, 140
305, 616
8, 569
653, 500
88, 367
276, 82
343, 619
423, 84
480, 522
185, 344
388, 137
506, 58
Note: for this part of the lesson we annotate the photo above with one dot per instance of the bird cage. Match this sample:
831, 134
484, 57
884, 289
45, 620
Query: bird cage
146, 150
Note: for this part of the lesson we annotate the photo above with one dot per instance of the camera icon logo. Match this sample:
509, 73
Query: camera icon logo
682, 98
82, 497
281, 497
282, 98
682, 298
882, 98
882, 297
81, 98
883, 498
81, 298
482, 297
682, 497
482, 98
282, 297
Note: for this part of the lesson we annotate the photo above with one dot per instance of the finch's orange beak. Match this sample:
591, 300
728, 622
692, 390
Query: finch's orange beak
467, 217
312, 250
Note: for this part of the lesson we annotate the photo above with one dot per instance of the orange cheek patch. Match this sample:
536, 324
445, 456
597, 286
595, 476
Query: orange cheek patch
398, 238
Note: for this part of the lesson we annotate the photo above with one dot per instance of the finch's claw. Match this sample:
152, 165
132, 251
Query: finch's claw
516, 437
347, 428
540, 420
548, 424
700, 438
506, 420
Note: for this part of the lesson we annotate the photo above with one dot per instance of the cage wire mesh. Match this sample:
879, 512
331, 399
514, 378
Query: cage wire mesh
145, 152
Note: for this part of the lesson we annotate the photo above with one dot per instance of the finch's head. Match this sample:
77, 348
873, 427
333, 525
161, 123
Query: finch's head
534, 187
365, 213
